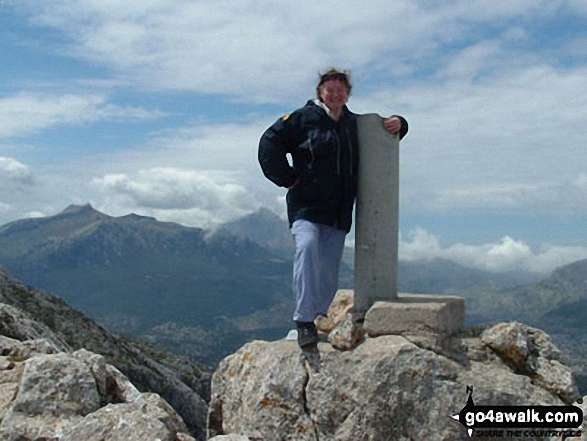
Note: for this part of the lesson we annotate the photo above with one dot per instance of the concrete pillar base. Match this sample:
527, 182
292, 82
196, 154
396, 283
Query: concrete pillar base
416, 313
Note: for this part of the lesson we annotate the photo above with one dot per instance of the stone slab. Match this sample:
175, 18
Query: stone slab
416, 313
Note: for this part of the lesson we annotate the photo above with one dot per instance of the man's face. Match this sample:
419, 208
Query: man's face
334, 94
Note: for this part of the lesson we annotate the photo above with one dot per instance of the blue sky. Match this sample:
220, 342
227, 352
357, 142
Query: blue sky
156, 107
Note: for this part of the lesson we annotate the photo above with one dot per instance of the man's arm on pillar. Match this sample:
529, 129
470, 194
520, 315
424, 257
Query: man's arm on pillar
274, 145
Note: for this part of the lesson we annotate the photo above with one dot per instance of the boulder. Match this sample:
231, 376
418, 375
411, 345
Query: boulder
261, 406
35, 317
56, 384
147, 418
347, 334
386, 388
337, 312
530, 351
112, 386
54, 391
52, 395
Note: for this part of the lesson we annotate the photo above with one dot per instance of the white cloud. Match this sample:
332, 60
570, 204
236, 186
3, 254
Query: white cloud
506, 255
16, 178
180, 195
496, 124
199, 175
26, 113
515, 141
13, 171
34, 214
224, 148
228, 46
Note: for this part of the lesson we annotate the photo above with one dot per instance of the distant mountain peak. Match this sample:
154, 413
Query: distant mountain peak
138, 217
263, 227
80, 213
265, 212
87, 208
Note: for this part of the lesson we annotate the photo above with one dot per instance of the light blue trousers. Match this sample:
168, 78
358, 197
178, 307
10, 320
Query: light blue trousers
316, 265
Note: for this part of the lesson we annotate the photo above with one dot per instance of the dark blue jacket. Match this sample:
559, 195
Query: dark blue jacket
324, 155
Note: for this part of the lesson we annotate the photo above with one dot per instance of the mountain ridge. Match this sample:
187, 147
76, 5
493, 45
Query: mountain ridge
218, 290
133, 273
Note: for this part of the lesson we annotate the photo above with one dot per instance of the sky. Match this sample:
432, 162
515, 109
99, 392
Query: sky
156, 107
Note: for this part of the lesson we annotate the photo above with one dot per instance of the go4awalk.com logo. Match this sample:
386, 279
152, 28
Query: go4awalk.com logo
519, 421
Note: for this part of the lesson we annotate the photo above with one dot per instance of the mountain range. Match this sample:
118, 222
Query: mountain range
133, 273
204, 293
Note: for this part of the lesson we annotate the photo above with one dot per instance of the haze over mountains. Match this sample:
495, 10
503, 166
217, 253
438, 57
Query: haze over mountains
205, 294
134, 271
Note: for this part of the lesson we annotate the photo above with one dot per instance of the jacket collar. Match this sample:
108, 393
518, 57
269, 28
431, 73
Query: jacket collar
324, 110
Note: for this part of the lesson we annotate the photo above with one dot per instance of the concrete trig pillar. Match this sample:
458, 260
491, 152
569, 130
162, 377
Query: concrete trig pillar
376, 227
376, 298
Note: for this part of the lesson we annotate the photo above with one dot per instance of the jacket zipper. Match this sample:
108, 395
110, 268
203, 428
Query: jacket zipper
338, 149
350, 147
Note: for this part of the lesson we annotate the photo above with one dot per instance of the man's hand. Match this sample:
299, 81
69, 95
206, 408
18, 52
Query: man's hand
392, 124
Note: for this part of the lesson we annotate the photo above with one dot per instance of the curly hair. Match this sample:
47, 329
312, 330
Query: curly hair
344, 76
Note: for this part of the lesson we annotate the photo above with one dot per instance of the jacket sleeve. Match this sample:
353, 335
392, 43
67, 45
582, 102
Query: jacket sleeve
404, 128
276, 142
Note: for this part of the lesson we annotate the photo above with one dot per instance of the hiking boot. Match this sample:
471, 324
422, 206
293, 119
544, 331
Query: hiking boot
307, 335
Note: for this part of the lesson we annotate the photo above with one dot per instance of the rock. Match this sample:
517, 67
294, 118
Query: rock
67, 397
5, 363
148, 418
416, 313
542, 341
324, 324
372, 383
347, 334
44, 323
113, 387
55, 390
340, 306
430, 321
57, 384
9, 378
451, 346
512, 343
21, 351
230, 438
7, 394
183, 397
259, 392
530, 351
557, 378
386, 388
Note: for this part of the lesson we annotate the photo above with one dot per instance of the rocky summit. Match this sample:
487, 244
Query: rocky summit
389, 387
64, 377
46, 394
